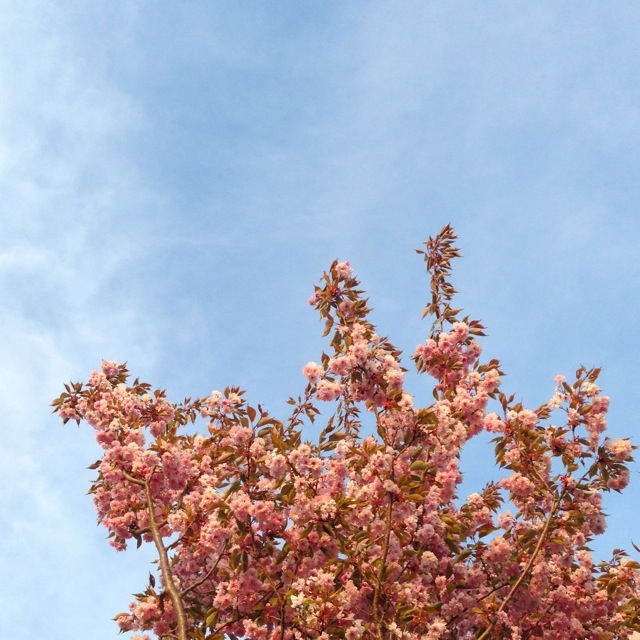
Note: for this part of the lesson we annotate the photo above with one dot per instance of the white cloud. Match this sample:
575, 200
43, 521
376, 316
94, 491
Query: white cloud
356, 135
71, 211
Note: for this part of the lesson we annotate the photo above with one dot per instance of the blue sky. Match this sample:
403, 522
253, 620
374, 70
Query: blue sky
174, 178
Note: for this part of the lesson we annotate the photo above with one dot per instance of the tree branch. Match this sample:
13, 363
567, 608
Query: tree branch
526, 571
165, 565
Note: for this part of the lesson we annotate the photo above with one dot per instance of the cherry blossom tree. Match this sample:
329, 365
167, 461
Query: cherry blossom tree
263, 535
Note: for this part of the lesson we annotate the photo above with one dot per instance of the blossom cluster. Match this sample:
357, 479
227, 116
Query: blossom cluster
265, 536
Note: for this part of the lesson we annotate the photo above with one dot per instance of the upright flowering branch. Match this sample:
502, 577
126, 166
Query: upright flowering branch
438, 255
265, 536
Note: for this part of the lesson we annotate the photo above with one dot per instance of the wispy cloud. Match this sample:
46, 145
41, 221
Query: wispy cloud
71, 209
173, 179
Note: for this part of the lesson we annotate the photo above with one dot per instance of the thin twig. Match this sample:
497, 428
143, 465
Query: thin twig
208, 574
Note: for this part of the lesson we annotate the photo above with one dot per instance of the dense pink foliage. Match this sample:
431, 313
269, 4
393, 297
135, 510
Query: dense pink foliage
265, 536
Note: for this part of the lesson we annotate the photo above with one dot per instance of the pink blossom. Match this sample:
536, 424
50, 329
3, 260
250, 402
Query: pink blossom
619, 481
312, 372
110, 368
241, 506
276, 464
99, 380
527, 418
498, 550
460, 331
328, 391
621, 449
342, 366
518, 484
493, 424
475, 500
597, 523
346, 309
491, 381
343, 270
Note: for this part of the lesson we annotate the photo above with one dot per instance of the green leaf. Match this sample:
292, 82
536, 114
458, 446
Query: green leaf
463, 555
211, 617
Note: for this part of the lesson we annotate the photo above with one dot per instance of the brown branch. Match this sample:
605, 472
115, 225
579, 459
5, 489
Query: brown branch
526, 571
165, 565
275, 589
208, 574
383, 564
139, 532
